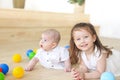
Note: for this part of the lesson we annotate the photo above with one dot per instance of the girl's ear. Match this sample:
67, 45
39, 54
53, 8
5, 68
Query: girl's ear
94, 37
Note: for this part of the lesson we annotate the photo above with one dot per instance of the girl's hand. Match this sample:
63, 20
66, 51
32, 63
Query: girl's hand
77, 75
67, 69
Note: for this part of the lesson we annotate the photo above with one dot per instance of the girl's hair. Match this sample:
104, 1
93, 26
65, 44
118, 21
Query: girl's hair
74, 50
53, 33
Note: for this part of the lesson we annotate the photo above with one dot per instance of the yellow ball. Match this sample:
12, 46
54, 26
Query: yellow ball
17, 58
35, 51
18, 72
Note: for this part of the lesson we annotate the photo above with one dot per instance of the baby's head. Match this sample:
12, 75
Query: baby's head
49, 39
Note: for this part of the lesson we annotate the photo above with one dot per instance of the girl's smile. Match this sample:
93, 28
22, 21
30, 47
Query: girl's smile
83, 40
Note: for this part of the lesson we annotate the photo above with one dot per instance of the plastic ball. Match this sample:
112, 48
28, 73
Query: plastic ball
107, 76
0, 69
4, 67
32, 54
67, 46
28, 52
2, 76
18, 72
35, 51
17, 58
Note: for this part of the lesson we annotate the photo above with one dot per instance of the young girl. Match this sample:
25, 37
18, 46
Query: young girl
87, 50
50, 55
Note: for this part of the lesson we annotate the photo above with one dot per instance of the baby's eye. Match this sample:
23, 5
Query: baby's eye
78, 39
45, 40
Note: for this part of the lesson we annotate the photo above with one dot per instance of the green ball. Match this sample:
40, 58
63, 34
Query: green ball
2, 77
31, 55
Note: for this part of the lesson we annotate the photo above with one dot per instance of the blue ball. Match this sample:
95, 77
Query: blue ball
107, 76
4, 67
28, 52
67, 46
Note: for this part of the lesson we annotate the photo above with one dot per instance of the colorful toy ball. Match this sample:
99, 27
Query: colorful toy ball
2, 76
107, 76
28, 52
32, 54
0, 69
67, 46
17, 58
4, 67
18, 72
35, 51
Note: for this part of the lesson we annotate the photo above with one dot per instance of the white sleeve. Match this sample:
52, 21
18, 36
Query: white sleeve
64, 54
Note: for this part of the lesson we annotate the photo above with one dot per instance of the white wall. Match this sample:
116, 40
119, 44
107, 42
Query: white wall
61, 6
106, 14
6, 4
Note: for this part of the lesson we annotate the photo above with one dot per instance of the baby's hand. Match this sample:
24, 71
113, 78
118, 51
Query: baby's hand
28, 68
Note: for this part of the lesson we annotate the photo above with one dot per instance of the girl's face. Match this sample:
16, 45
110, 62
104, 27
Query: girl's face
84, 40
47, 43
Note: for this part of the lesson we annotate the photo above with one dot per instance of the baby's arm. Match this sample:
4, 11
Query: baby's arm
31, 64
67, 66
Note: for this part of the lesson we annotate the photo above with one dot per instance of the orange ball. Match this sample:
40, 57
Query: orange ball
18, 72
17, 58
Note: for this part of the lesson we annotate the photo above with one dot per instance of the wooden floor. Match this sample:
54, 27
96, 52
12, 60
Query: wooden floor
39, 73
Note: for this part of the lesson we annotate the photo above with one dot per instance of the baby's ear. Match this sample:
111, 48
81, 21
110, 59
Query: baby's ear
54, 44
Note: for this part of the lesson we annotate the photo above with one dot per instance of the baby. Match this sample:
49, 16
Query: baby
50, 55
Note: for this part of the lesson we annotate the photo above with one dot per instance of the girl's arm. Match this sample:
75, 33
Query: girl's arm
84, 74
101, 66
79, 74
82, 67
31, 64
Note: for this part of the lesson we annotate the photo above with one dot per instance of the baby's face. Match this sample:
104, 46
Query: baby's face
46, 42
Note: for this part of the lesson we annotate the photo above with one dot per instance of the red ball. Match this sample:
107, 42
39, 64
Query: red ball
0, 69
